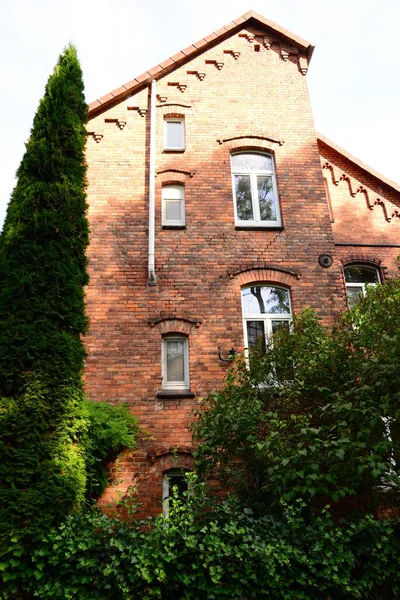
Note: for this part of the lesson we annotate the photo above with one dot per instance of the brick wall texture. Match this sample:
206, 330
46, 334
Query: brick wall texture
260, 99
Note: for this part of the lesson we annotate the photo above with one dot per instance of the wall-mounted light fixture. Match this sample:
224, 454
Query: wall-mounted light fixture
230, 357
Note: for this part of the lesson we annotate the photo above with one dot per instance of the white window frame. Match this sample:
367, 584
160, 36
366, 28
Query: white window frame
256, 222
361, 285
266, 318
173, 192
180, 384
182, 136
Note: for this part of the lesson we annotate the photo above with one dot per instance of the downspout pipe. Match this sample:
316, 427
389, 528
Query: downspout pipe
152, 185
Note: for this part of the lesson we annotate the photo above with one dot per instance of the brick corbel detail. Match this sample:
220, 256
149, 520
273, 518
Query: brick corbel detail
119, 122
141, 111
218, 63
234, 53
96, 136
181, 86
199, 74
356, 188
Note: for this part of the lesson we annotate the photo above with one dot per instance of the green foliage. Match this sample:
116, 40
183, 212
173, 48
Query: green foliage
315, 417
42, 316
196, 554
110, 430
42, 247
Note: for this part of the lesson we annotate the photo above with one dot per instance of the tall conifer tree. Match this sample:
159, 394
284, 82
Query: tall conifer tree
42, 314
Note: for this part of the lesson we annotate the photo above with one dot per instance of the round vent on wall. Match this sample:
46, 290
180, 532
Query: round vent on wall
325, 260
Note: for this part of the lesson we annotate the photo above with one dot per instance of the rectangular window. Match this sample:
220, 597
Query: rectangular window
174, 134
173, 205
175, 363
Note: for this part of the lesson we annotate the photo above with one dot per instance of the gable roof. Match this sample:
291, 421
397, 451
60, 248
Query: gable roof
249, 18
358, 162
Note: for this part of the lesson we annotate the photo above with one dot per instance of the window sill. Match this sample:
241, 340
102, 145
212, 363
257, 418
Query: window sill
256, 227
175, 394
174, 150
173, 227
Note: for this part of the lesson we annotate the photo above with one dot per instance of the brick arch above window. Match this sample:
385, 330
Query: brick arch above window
171, 458
178, 325
272, 274
171, 176
246, 143
175, 111
367, 260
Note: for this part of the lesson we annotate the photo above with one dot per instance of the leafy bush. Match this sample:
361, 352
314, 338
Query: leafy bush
316, 417
225, 553
110, 430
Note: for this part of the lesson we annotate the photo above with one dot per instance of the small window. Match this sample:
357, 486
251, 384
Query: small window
175, 363
266, 309
174, 134
255, 191
173, 479
357, 277
173, 205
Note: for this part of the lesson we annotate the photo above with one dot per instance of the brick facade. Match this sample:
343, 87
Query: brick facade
242, 90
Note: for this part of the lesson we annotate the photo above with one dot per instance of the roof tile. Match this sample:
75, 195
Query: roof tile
106, 98
188, 50
177, 56
142, 77
155, 70
166, 63
211, 37
200, 43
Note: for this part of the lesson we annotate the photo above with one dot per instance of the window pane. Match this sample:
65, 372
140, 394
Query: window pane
263, 299
244, 206
266, 199
256, 334
251, 162
173, 210
174, 134
277, 325
352, 293
360, 274
175, 360
177, 480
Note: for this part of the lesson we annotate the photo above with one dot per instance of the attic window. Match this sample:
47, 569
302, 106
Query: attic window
256, 47
174, 134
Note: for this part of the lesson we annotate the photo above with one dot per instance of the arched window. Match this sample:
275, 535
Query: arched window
265, 310
357, 277
255, 191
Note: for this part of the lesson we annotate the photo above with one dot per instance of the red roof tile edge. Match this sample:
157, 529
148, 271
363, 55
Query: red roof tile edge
180, 57
358, 162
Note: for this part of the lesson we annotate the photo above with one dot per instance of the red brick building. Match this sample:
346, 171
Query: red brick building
216, 212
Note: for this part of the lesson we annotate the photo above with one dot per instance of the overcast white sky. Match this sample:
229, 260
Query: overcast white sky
354, 78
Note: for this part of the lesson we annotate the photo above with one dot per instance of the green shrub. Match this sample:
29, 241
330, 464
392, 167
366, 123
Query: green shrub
316, 417
224, 553
110, 430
